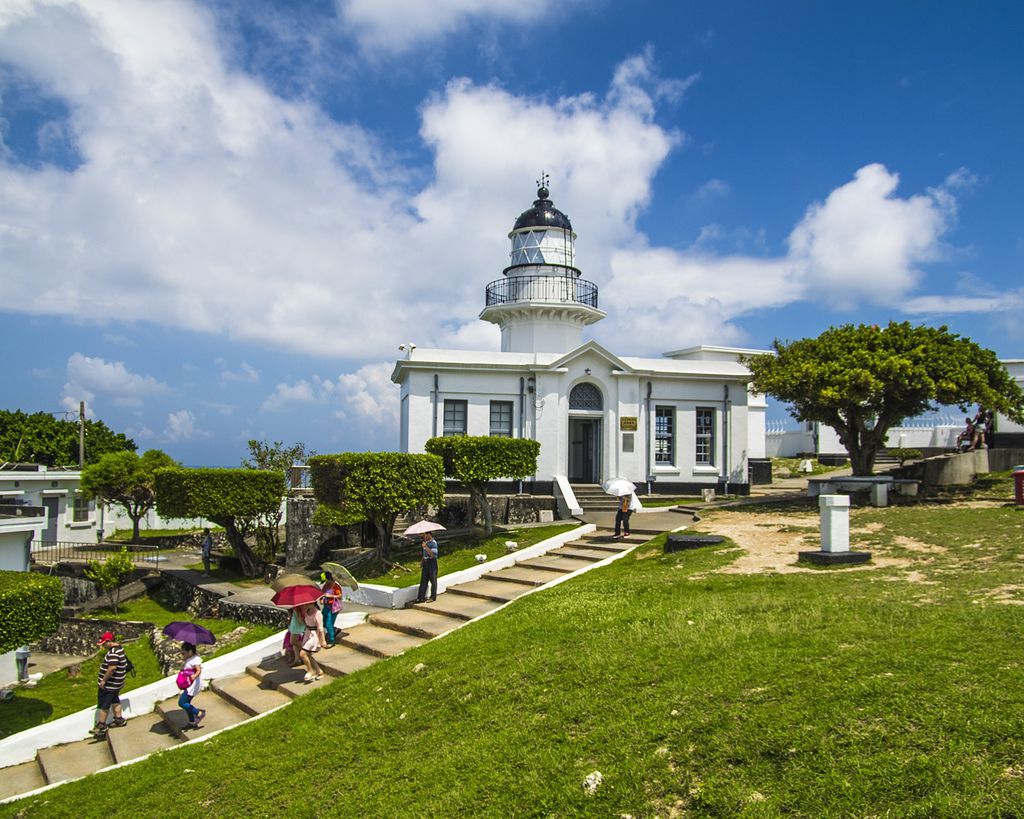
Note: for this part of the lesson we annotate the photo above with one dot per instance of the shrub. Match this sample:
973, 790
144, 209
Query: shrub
30, 607
111, 574
902, 454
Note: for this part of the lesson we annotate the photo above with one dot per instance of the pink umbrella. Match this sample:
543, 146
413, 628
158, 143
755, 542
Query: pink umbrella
296, 596
423, 526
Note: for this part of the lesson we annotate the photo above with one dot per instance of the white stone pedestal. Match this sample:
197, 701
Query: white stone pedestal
835, 534
835, 522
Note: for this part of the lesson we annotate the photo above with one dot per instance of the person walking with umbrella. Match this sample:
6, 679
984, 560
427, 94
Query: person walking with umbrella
428, 568
332, 604
191, 675
190, 678
312, 640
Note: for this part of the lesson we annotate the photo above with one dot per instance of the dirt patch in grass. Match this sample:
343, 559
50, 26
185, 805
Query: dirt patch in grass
770, 542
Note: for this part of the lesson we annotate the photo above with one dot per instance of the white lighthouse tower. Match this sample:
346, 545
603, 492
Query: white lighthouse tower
541, 304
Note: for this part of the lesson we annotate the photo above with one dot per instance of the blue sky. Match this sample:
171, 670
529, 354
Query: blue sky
218, 220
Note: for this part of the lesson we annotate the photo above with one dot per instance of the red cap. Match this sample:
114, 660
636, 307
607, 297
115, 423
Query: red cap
108, 637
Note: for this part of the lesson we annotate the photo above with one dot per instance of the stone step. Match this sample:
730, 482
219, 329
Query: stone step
142, 735
578, 553
342, 660
75, 759
417, 622
20, 779
380, 642
557, 563
219, 714
245, 693
300, 687
490, 590
526, 575
458, 606
608, 546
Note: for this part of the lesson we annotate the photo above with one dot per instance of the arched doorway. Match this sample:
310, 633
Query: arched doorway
586, 413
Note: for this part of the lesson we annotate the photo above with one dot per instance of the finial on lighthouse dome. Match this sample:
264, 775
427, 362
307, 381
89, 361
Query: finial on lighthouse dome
543, 213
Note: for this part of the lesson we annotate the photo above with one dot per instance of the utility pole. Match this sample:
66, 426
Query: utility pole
81, 434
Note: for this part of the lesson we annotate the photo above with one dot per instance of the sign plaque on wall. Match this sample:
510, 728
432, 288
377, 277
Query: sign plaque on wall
627, 423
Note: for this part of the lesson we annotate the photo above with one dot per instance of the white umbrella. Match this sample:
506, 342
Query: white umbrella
423, 526
618, 487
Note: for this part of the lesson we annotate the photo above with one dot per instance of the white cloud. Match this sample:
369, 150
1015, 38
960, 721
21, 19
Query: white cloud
394, 25
366, 399
863, 243
246, 373
301, 392
181, 426
209, 203
944, 305
712, 189
91, 378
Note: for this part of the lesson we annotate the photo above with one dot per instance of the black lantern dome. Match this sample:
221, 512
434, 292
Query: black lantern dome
543, 214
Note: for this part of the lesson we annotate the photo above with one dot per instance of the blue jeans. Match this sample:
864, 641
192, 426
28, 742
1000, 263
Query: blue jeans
329, 623
185, 701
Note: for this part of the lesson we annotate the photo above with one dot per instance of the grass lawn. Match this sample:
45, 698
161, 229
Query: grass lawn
793, 465
888, 691
125, 535
58, 695
460, 553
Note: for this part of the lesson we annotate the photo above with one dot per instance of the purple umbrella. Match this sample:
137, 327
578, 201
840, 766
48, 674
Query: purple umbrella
189, 633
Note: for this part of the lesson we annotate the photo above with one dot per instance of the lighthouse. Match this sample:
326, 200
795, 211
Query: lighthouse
541, 304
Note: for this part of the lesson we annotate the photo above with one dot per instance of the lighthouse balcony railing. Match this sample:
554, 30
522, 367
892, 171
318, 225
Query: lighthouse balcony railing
556, 289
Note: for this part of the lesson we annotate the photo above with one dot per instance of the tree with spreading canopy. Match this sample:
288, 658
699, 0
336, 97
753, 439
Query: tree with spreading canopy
476, 460
232, 498
377, 487
126, 480
40, 438
862, 380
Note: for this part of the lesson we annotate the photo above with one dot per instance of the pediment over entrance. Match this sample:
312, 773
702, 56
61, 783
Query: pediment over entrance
591, 348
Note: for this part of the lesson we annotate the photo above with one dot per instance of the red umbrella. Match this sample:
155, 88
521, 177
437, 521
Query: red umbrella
296, 596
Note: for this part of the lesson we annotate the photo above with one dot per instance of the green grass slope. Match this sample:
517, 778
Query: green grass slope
893, 691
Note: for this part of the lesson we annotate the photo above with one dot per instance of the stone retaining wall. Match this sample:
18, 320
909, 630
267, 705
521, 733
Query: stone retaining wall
202, 603
77, 636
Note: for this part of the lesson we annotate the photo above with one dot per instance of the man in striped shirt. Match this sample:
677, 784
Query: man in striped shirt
113, 670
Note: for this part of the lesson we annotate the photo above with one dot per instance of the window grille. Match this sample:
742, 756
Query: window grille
664, 435
585, 397
454, 418
501, 419
705, 443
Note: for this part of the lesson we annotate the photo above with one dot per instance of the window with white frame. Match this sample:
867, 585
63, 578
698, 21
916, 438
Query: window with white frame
454, 418
80, 511
664, 435
501, 419
705, 441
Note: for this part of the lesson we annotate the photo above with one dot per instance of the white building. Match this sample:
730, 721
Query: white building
71, 516
685, 421
1008, 433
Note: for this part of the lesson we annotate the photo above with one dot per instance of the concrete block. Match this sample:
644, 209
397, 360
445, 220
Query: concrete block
835, 523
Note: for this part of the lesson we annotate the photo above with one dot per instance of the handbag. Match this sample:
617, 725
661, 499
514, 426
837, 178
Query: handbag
184, 679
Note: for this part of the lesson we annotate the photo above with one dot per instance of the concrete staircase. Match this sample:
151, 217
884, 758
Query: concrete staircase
592, 498
271, 684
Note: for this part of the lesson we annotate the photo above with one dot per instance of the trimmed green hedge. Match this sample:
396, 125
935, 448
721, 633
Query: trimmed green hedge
217, 493
30, 607
374, 485
479, 459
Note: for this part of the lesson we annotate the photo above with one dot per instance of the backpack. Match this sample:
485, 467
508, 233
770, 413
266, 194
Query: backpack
184, 679
129, 666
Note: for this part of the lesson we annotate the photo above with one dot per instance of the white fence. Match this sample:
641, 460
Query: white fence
788, 439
